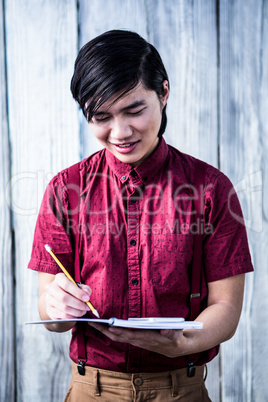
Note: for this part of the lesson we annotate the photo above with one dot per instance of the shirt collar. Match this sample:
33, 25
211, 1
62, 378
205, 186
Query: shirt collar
143, 172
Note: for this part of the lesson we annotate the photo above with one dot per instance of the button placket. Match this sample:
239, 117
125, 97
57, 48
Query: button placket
133, 259
133, 236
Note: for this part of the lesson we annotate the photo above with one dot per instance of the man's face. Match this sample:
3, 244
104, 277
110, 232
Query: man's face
129, 127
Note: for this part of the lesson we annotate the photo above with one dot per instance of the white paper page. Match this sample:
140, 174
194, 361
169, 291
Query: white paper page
143, 323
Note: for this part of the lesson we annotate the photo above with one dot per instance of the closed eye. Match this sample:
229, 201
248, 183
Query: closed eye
136, 113
101, 118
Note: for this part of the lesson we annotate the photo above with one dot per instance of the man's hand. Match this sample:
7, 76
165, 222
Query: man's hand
59, 298
220, 320
168, 342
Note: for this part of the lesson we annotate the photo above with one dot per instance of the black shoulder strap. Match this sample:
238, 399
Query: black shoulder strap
199, 183
74, 196
196, 269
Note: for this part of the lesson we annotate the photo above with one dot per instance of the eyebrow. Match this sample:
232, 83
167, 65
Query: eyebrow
131, 106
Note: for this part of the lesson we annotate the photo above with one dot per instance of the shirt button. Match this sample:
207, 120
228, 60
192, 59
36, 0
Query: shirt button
123, 177
132, 200
138, 381
133, 173
133, 242
135, 281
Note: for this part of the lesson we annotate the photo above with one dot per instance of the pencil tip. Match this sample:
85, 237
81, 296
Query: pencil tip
47, 248
96, 313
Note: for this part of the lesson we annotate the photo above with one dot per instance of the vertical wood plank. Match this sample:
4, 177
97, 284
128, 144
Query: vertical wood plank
44, 133
7, 367
244, 146
185, 33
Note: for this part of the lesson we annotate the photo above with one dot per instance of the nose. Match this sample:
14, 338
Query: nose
120, 130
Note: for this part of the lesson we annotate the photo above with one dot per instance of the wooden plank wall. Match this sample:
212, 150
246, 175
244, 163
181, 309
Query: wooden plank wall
243, 90
44, 134
7, 367
216, 54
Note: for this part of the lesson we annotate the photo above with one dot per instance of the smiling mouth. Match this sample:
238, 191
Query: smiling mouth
125, 148
126, 145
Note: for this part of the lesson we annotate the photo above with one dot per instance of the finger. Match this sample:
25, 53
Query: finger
103, 329
125, 333
63, 282
172, 334
117, 337
86, 289
136, 333
58, 297
71, 307
56, 314
114, 330
148, 339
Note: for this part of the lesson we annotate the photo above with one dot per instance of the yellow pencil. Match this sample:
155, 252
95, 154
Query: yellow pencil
90, 305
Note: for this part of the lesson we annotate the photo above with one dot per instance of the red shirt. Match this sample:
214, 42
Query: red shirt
136, 244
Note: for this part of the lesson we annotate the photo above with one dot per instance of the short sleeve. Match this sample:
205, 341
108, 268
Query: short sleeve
52, 228
226, 250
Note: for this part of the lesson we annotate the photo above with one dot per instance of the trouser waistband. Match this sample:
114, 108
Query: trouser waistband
138, 381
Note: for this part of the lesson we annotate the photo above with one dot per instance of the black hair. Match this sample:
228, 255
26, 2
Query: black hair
115, 63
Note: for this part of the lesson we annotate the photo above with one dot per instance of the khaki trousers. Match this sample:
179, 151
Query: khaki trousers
110, 386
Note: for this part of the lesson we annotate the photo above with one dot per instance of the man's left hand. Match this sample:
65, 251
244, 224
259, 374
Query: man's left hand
168, 342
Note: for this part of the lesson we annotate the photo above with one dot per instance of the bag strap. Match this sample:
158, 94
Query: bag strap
74, 196
195, 297
196, 269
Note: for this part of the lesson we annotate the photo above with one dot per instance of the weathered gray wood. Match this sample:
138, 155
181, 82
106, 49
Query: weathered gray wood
44, 133
7, 367
186, 36
44, 136
243, 149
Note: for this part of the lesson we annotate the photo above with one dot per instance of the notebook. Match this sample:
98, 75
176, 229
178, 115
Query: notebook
138, 323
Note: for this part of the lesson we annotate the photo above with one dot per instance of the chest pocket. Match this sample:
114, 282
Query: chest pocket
172, 254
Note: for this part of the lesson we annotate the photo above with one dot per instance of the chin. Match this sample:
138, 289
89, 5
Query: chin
128, 160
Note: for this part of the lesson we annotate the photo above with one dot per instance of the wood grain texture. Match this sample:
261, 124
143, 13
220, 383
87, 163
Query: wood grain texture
218, 101
7, 367
44, 135
243, 150
185, 34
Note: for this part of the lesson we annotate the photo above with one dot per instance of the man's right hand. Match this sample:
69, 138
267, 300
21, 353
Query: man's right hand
59, 298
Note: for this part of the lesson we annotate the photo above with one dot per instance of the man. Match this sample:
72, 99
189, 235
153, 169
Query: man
136, 237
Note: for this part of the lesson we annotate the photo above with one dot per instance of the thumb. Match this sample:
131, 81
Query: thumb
171, 334
86, 289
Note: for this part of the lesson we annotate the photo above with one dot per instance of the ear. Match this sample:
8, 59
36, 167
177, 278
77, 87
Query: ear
165, 95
